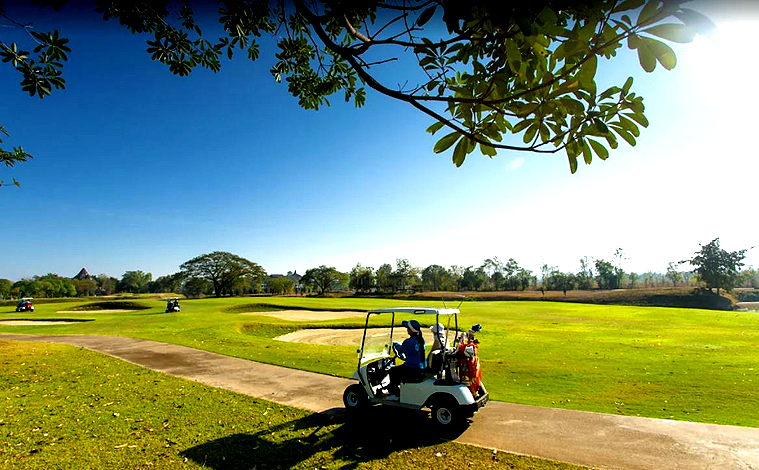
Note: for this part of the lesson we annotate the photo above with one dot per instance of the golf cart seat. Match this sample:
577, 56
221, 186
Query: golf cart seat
435, 362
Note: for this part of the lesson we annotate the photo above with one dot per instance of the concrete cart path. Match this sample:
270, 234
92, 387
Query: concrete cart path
592, 439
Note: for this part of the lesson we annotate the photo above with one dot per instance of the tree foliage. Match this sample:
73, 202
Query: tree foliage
322, 278
496, 75
134, 282
279, 285
221, 269
717, 267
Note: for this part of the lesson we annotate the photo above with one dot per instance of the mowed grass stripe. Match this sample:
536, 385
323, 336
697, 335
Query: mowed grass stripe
688, 364
68, 408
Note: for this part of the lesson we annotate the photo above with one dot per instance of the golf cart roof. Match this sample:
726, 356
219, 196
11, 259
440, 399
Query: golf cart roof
27, 298
418, 310
173, 298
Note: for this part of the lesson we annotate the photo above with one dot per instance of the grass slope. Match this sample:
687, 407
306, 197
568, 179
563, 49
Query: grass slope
688, 364
68, 408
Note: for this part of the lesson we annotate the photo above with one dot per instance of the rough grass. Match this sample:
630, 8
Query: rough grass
689, 364
68, 408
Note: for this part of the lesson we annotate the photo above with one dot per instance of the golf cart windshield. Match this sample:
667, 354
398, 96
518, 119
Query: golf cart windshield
376, 344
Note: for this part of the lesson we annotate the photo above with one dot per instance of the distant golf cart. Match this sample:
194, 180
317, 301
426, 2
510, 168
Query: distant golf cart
450, 386
172, 305
25, 305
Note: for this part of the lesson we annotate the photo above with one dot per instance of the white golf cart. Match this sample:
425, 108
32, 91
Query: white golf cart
440, 387
172, 305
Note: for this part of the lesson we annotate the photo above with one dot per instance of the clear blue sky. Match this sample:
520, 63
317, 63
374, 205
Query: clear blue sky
138, 169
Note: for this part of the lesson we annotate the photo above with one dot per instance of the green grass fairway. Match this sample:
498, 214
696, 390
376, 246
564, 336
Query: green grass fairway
688, 364
67, 408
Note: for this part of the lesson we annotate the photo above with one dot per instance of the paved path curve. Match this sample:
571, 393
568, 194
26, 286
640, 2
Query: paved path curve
592, 439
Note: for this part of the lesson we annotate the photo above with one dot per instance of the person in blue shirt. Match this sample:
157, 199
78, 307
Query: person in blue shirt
411, 351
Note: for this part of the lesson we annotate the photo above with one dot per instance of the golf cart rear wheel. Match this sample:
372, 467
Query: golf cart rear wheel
355, 397
446, 414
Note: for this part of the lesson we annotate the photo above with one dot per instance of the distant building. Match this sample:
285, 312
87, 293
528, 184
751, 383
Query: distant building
83, 275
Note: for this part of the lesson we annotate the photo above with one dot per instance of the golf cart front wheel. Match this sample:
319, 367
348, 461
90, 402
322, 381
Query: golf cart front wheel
446, 414
354, 397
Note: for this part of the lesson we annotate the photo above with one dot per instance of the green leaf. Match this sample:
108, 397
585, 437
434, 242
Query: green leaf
443, 144
521, 125
611, 140
425, 16
646, 58
628, 5
624, 133
630, 126
588, 71
648, 12
459, 153
530, 134
545, 133
586, 155
627, 85
600, 150
673, 32
487, 150
694, 19
435, 127
513, 56
572, 162
639, 118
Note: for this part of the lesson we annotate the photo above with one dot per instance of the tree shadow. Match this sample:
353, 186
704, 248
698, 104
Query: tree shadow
373, 434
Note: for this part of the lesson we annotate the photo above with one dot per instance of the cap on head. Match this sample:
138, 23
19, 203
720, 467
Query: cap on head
412, 325
438, 328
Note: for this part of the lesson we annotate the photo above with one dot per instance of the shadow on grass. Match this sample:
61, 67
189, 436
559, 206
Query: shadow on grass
373, 434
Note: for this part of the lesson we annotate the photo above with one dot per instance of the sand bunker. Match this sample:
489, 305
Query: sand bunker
307, 315
344, 337
112, 310
36, 322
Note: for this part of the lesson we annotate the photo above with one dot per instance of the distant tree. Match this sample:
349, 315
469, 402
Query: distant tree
453, 280
633, 279
321, 278
221, 269
473, 279
383, 277
405, 277
717, 267
196, 286
106, 284
134, 282
609, 276
586, 275
85, 287
362, 278
673, 274
5, 288
750, 278
279, 285
54, 285
558, 280
434, 277
171, 283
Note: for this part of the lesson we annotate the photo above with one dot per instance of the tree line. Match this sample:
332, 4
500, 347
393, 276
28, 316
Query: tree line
221, 273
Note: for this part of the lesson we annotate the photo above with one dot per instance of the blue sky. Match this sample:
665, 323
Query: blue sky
138, 169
